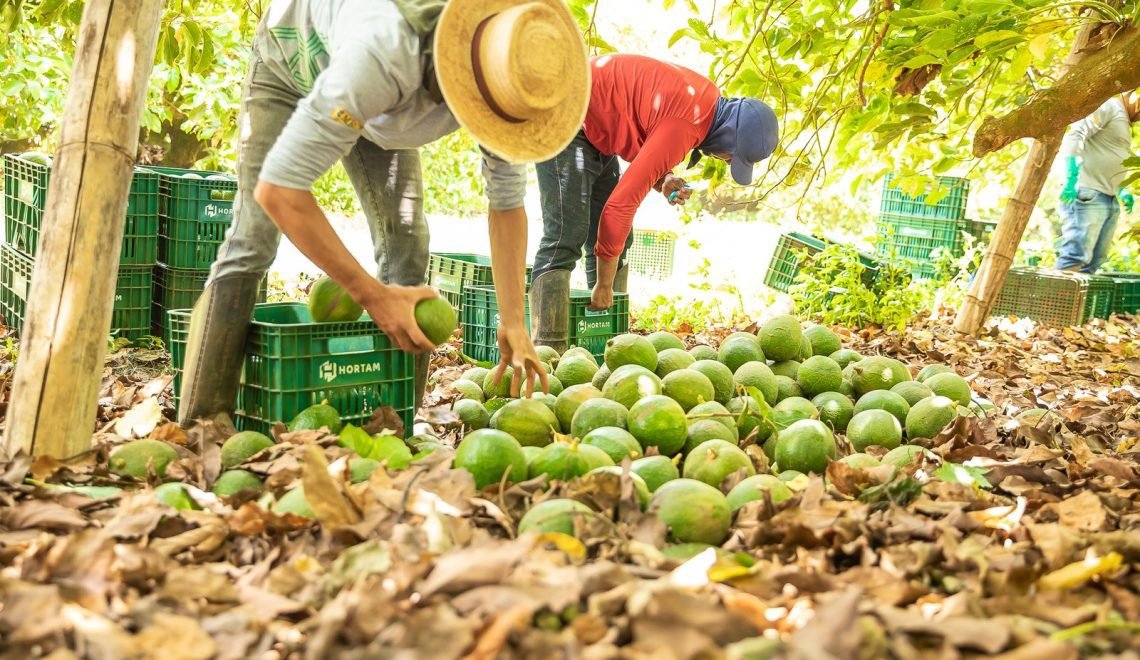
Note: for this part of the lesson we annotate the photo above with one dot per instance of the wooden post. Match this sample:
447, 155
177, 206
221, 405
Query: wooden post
991, 276
1003, 246
64, 341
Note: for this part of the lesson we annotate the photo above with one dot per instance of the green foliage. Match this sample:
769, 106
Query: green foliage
36, 71
334, 192
832, 288
9, 350
876, 87
963, 474
194, 95
953, 274
676, 313
453, 181
1125, 255
146, 342
281, 289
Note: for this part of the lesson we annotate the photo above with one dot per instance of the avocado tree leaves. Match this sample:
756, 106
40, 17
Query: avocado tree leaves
885, 86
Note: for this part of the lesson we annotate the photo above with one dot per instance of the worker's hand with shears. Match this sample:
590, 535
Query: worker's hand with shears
675, 190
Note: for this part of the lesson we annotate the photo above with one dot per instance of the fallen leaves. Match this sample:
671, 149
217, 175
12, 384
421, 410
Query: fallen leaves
1016, 539
323, 494
140, 420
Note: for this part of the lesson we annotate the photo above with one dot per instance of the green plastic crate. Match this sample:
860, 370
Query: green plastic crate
174, 288
1054, 297
194, 215
25, 198
590, 330
450, 272
480, 322
790, 251
292, 363
651, 254
1099, 295
130, 316
915, 241
15, 280
1126, 292
178, 288
952, 206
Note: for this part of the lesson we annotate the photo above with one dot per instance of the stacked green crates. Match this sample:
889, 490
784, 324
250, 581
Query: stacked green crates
791, 250
26, 186
292, 363
196, 210
130, 316
590, 330
912, 230
451, 272
1055, 297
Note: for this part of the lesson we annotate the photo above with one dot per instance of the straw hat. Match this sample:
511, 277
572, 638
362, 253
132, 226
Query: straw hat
514, 73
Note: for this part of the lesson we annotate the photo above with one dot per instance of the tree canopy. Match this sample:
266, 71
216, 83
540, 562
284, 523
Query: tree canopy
861, 86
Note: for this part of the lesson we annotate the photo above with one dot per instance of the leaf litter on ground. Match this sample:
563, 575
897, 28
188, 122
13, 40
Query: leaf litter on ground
1016, 539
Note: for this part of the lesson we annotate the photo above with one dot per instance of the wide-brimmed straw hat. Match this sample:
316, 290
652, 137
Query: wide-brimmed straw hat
514, 73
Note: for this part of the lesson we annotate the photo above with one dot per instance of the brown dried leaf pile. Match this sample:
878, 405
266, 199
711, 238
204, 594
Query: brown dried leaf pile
1038, 561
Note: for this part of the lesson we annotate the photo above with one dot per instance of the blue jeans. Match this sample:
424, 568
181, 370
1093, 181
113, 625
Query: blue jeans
388, 183
574, 187
1086, 231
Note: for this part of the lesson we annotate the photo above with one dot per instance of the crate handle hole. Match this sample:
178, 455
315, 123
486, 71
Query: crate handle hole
337, 345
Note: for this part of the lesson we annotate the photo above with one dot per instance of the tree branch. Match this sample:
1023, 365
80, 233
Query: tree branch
1112, 70
888, 7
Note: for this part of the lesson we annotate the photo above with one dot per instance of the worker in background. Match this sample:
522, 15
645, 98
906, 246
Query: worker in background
651, 114
1093, 153
366, 83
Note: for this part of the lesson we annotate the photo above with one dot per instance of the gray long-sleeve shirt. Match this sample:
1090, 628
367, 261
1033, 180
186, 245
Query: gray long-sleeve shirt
359, 68
1102, 141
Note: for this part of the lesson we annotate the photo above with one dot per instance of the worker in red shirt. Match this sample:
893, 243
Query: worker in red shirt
650, 114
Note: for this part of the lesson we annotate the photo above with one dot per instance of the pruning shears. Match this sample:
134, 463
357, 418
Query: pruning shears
673, 195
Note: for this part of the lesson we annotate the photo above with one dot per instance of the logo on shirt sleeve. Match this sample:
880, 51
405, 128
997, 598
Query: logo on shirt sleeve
343, 116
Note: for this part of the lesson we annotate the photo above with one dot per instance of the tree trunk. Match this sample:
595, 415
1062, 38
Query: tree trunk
57, 378
991, 276
179, 148
1085, 88
999, 257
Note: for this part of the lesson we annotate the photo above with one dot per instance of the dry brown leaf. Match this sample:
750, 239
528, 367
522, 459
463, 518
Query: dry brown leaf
30, 612
831, 634
206, 537
985, 635
170, 432
475, 566
1041, 649
1083, 511
43, 469
1114, 467
494, 638
41, 514
323, 494
198, 583
172, 637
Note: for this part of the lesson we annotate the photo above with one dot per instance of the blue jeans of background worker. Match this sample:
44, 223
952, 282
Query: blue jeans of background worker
1088, 224
574, 187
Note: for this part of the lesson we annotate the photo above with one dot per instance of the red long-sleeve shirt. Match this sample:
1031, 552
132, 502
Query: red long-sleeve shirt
650, 113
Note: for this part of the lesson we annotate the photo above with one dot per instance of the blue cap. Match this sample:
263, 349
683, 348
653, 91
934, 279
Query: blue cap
757, 134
